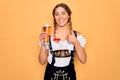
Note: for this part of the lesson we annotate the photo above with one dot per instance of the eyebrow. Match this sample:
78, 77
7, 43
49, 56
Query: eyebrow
62, 11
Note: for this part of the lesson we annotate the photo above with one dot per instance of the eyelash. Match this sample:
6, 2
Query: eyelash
58, 14
63, 13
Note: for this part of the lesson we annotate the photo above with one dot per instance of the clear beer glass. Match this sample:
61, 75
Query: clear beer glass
47, 29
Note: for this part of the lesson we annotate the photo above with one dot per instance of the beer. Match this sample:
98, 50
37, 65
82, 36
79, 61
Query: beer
46, 28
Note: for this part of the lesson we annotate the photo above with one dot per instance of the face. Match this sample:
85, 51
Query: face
61, 16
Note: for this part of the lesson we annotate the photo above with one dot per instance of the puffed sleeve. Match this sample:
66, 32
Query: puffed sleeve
81, 40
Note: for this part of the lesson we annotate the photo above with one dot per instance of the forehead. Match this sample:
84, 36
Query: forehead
60, 9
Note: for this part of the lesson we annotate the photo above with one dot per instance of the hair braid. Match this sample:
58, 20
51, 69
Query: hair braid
69, 13
55, 25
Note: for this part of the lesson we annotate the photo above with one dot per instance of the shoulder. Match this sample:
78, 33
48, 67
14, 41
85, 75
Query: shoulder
79, 35
81, 39
77, 32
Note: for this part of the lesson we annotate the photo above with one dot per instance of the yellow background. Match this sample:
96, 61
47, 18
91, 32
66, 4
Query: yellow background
20, 25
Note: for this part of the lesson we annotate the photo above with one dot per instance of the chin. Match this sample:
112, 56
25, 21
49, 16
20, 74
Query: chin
62, 25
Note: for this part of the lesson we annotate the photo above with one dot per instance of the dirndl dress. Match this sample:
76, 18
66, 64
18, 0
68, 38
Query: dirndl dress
60, 73
61, 60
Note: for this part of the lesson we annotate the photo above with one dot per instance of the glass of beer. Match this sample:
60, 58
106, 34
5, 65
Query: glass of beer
46, 28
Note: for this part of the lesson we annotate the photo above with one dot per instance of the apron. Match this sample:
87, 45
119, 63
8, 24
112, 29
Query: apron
60, 73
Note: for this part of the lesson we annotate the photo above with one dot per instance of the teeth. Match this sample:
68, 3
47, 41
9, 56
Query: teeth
61, 20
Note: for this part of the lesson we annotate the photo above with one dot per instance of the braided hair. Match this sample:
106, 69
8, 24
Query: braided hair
63, 5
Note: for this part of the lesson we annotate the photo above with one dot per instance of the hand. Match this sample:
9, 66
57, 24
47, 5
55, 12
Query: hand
42, 36
71, 38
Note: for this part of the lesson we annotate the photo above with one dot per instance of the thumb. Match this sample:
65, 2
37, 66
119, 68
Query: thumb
68, 38
71, 32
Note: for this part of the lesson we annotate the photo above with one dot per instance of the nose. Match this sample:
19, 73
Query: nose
60, 16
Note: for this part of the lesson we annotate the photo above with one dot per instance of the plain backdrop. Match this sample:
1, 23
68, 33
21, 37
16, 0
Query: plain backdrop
20, 26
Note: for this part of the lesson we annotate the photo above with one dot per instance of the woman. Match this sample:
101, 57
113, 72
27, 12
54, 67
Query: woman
64, 42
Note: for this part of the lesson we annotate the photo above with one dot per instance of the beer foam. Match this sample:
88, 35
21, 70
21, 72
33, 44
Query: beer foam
46, 25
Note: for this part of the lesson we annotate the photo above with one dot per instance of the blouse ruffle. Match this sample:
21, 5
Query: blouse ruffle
66, 45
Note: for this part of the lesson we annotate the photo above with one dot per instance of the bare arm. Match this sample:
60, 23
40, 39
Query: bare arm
79, 49
43, 54
80, 52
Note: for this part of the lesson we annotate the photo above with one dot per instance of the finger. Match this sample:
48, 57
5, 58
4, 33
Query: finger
43, 32
68, 38
43, 35
71, 32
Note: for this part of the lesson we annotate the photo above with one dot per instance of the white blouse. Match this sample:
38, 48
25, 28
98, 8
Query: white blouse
61, 62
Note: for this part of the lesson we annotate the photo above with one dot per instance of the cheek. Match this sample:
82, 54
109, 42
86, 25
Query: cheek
67, 18
56, 18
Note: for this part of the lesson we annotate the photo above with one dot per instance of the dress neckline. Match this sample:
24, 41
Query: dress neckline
59, 41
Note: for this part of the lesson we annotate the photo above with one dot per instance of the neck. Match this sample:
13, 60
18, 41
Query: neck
63, 28
62, 31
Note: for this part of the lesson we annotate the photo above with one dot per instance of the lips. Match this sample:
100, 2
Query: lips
61, 20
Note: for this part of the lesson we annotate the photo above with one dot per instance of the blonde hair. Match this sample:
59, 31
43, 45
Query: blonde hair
63, 5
